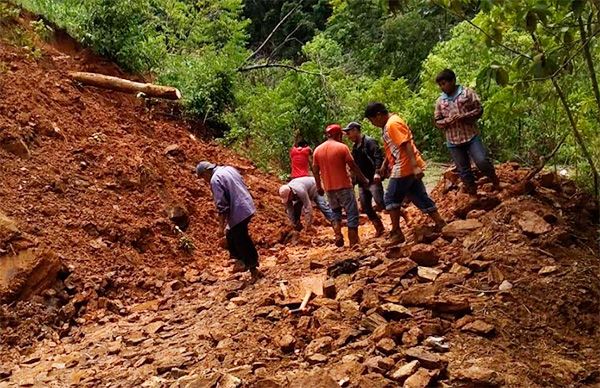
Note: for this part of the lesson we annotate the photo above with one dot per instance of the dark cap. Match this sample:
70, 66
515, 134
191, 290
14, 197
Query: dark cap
204, 166
352, 125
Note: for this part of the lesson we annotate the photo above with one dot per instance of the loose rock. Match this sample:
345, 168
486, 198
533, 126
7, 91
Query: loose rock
425, 358
461, 228
394, 311
532, 224
424, 255
428, 274
386, 346
548, 270
477, 376
287, 343
421, 379
405, 371
479, 327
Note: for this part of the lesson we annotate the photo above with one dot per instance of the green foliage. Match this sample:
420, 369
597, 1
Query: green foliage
351, 52
42, 30
287, 41
196, 46
8, 13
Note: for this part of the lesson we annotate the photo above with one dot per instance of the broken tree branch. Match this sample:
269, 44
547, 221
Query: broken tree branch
578, 136
281, 65
292, 11
544, 159
126, 86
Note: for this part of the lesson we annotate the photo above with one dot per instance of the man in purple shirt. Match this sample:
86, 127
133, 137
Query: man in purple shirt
236, 208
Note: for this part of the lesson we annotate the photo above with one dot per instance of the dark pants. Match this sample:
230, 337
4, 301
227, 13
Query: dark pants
366, 197
411, 188
462, 155
241, 246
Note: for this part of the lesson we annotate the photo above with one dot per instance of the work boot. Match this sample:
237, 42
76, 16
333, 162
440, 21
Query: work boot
470, 188
439, 221
339, 237
495, 182
255, 274
353, 238
404, 214
379, 228
396, 237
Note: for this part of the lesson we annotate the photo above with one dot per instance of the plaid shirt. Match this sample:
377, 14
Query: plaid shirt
465, 103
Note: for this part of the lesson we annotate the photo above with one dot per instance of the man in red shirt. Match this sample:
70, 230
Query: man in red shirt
329, 166
299, 157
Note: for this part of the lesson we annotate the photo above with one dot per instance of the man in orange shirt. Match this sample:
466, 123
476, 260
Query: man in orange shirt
329, 165
405, 166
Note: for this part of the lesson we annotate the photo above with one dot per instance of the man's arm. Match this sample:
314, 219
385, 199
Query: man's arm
375, 150
407, 147
354, 168
474, 105
307, 209
441, 121
317, 173
222, 203
310, 161
357, 173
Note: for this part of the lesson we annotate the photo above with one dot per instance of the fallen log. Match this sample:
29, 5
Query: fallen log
126, 86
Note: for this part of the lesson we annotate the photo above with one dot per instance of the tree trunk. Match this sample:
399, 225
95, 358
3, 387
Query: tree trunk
123, 85
590, 62
578, 136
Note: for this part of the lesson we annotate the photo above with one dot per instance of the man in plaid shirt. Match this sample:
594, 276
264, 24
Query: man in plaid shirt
456, 113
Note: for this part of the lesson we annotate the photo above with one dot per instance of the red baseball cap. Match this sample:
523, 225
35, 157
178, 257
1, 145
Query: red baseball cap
333, 129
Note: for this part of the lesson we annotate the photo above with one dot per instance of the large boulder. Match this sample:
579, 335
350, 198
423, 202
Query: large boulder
27, 273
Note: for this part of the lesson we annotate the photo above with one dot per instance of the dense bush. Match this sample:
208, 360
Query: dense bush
195, 46
350, 52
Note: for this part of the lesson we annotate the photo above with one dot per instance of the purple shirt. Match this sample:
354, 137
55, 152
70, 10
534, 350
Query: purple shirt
231, 195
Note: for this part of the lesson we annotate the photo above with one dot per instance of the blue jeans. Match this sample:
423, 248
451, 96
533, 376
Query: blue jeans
411, 188
366, 197
344, 199
324, 207
462, 155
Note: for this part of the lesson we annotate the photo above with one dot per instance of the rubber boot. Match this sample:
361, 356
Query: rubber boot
439, 221
339, 237
353, 237
379, 228
495, 182
470, 188
396, 238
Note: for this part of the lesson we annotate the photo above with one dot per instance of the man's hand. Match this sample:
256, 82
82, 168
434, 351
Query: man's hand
377, 179
223, 242
418, 173
365, 183
455, 118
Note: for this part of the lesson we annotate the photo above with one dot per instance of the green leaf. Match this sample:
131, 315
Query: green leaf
502, 76
486, 5
484, 77
568, 38
531, 21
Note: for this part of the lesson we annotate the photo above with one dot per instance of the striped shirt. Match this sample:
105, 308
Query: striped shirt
465, 102
395, 133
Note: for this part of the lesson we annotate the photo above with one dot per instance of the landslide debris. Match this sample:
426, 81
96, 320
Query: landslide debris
507, 294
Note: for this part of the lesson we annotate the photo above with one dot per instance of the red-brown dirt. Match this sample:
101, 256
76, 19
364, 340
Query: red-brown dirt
513, 290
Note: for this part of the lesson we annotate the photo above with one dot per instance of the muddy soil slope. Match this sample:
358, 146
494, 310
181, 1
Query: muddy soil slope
99, 290
93, 183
